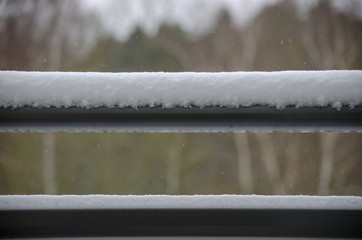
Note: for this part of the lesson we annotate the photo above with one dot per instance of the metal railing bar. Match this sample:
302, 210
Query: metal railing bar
181, 222
193, 119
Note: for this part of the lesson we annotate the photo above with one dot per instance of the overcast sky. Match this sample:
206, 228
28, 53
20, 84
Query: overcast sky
120, 18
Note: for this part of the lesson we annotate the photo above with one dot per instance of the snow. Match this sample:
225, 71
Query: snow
228, 89
180, 202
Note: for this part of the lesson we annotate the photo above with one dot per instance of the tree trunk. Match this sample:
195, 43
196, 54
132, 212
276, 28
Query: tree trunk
48, 142
328, 142
269, 158
245, 171
173, 165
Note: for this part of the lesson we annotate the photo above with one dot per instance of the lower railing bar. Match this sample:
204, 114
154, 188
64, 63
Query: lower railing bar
181, 222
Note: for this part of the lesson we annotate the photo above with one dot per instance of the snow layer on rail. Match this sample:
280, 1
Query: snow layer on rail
18, 202
227, 89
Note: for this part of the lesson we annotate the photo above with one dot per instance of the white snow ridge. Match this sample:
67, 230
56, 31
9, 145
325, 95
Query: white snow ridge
18, 202
226, 89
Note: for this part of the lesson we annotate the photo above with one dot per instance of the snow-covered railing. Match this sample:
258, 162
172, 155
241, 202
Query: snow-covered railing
225, 215
226, 101
237, 101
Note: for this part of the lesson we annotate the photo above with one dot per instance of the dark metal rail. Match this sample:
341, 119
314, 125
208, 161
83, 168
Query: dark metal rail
257, 118
182, 222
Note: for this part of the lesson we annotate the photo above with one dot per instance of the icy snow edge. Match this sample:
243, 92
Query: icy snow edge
227, 89
20, 202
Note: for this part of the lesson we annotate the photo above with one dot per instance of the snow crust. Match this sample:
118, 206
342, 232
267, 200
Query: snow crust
228, 89
14, 202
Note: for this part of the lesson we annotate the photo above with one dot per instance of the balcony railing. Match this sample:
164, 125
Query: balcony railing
50, 102
236, 101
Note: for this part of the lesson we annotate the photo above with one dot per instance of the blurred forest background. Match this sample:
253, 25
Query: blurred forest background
171, 35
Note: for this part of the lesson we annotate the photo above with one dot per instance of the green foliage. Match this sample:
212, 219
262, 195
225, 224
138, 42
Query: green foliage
139, 54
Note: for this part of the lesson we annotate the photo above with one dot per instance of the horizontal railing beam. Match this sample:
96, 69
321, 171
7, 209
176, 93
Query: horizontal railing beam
182, 222
193, 119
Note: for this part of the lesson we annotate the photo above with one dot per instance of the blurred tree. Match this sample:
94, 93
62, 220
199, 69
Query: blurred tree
43, 35
331, 40
174, 164
328, 142
140, 53
245, 170
49, 168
